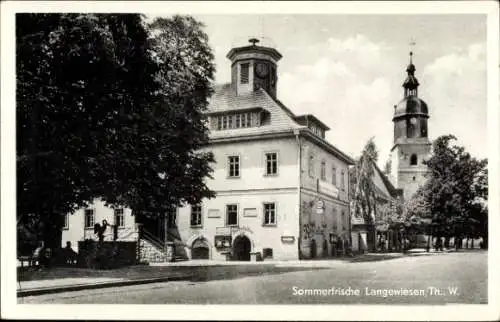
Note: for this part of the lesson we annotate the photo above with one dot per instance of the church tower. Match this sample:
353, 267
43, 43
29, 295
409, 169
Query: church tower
411, 142
254, 67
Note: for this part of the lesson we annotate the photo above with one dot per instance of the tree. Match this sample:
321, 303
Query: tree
66, 70
104, 112
173, 130
364, 201
456, 181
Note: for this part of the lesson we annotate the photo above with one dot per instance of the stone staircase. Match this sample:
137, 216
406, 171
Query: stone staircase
152, 249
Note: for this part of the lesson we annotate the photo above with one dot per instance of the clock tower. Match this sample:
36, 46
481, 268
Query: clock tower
254, 67
411, 142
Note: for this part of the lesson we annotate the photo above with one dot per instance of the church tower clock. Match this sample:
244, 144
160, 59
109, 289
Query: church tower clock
254, 67
411, 142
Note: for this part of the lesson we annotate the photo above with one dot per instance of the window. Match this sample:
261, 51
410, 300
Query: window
323, 170
342, 182
334, 176
66, 221
219, 123
244, 72
237, 123
233, 121
335, 218
231, 215
267, 253
224, 122
172, 218
119, 218
271, 163
343, 220
310, 166
196, 215
248, 118
89, 218
270, 213
413, 159
234, 166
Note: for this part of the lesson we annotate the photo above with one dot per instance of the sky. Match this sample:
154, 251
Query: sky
348, 70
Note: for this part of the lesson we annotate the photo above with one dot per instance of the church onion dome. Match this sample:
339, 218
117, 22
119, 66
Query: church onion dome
411, 105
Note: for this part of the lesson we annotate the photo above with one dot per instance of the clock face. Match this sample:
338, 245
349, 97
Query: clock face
413, 121
261, 69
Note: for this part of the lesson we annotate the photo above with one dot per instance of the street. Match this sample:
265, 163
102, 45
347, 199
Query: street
426, 279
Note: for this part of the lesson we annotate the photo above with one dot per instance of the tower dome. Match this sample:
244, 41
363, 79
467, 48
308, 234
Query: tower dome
411, 113
411, 105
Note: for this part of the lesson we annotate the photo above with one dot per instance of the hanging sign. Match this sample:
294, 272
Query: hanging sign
320, 207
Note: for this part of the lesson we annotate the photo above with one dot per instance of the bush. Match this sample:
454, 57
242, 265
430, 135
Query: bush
106, 255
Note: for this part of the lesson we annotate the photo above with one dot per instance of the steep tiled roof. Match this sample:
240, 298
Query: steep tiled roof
383, 184
225, 99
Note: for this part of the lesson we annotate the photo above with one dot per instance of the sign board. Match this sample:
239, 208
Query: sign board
213, 213
320, 207
288, 239
328, 189
222, 241
223, 231
250, 212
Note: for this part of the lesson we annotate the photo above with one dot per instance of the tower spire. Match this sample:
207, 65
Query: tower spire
411, 83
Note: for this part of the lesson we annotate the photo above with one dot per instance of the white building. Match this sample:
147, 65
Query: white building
282, 189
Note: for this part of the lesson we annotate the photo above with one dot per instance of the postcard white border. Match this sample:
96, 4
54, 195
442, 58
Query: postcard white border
10, 308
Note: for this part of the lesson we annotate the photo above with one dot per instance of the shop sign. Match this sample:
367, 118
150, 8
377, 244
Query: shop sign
320, 207
222, 241
288, 239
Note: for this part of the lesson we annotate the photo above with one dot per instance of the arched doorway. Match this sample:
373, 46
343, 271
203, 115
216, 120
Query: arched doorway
242, 248
200, 249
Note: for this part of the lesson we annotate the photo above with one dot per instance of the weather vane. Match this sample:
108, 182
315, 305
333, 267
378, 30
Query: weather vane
412, 45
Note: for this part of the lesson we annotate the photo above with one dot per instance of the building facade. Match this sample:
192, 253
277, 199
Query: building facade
281, 188
411, 143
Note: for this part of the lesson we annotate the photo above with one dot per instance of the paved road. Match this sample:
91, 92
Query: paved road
431, 279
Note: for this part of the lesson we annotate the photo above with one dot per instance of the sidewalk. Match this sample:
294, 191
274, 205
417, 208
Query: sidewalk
61, 279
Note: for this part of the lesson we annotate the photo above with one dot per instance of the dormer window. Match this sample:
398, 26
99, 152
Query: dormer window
235, 121
240, 119
244, 73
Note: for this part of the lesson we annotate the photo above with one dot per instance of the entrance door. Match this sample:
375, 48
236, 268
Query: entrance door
313, 249
200, 250
241, 248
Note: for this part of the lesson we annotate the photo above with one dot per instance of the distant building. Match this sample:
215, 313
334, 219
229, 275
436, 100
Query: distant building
363, 235
282, 188
411, 142
408, 172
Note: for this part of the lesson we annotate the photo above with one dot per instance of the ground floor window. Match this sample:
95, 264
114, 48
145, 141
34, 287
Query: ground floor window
270, 213
267, 253
89, 218
119, 218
